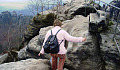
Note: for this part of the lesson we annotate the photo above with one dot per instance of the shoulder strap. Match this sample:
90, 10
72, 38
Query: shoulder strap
51, 32
57, 31
61, 42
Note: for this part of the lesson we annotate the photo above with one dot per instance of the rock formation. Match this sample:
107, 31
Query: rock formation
39, 21
7, 17
29, 64
89, 55
97, 53
84, 56
3, 58
109, 51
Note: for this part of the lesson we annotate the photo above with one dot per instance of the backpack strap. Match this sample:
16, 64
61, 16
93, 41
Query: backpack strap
51, 32
61, 42
57, 31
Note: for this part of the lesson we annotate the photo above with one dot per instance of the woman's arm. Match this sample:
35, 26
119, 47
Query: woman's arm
73, 39
46, 36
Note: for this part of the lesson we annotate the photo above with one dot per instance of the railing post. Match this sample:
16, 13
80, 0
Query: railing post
85, 7
116, 26
93, 5
99, 4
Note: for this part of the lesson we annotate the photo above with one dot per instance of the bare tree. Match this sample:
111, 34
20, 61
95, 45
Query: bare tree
36, 6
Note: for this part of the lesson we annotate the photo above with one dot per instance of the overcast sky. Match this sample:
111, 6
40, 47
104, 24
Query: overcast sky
19, 4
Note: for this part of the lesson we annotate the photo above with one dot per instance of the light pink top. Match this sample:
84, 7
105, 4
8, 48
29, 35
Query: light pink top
62, 35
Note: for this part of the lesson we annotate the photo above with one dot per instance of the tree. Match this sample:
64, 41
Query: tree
1, 49
36, 6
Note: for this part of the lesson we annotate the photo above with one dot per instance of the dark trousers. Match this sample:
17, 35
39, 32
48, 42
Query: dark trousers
61, 61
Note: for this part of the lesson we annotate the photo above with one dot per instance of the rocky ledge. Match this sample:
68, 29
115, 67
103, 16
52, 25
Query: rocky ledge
29, 64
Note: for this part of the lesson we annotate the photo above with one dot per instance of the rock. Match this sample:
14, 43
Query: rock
34, 45
39, 21
6, 17
14, 17
88, 51
22, 54
81, 55
91, 54
29, 64
3, 58
79, 9
109, 50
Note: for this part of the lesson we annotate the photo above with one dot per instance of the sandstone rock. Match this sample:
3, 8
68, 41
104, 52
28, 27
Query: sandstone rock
29, 64
22, 54
3, 58
91, 54
39, 21
109, 50
34, 45
87, 51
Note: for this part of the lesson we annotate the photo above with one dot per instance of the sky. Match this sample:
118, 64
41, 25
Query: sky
13, 4
19, 4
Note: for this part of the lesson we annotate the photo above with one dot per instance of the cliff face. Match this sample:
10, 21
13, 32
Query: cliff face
12, 27
39, 21
7, 17
109, 51
80, 55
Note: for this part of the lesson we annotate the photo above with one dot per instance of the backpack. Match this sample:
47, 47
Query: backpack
51, 44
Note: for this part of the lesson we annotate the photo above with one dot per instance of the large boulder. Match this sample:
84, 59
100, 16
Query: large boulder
3, 58
34, 45
39, 21
85, 55
29, 64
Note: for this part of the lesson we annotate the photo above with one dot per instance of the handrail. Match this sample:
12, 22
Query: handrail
117, 45
109, 4
116, 28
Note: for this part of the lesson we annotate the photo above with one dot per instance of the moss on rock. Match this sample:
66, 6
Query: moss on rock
38, 22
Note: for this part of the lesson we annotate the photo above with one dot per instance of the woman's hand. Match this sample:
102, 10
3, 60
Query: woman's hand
40, 54
84, 39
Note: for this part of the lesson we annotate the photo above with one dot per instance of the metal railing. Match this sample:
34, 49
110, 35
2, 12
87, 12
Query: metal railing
118, 17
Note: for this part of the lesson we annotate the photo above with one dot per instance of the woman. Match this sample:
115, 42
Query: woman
62, 35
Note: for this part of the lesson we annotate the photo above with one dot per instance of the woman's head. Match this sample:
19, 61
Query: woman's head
57, 22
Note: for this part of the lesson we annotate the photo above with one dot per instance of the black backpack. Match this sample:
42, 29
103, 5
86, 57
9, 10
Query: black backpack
51, 44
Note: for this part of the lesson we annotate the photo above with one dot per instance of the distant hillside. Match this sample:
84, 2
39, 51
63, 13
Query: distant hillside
23, 12
12, 28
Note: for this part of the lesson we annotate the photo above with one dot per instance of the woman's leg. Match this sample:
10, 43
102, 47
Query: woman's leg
54, 61
61, 61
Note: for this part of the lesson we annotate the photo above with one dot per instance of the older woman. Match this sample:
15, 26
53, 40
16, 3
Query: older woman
62, 35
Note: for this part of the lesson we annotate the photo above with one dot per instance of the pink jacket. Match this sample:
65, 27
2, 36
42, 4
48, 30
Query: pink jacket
62, 35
